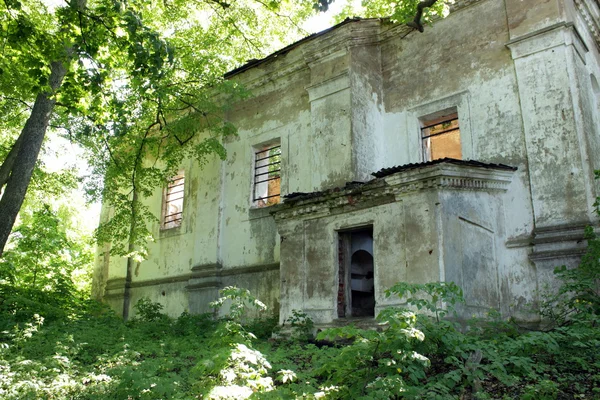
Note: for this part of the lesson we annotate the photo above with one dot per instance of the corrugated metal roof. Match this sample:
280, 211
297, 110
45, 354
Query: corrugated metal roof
350, 186
470, 163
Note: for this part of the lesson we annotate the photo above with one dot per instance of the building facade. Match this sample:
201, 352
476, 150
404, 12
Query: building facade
371, 154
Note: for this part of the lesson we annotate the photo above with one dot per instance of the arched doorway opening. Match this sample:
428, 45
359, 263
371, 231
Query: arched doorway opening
356, 290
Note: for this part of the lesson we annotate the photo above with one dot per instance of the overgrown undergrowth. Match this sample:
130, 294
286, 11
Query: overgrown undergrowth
89, 353
56, 345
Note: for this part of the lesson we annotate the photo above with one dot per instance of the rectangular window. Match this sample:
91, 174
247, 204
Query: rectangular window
441, 138
173, 202
267, 175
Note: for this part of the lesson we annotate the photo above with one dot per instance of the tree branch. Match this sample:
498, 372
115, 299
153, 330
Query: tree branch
223, 4
248, 40
300, 29
416, 22
16, 100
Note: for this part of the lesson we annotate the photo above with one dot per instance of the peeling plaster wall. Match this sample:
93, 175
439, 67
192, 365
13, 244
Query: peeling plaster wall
473, 228
473, 69
425, 228
520, 75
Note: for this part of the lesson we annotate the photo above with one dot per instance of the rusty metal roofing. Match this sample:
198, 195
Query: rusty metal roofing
351, 186
468, 163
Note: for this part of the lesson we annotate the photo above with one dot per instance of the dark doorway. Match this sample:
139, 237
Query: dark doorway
356, 290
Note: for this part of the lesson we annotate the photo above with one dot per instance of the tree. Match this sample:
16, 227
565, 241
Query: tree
413, 13
109, 69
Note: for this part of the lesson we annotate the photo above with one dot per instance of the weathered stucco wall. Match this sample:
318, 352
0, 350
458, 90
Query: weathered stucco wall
436, 223
522, 76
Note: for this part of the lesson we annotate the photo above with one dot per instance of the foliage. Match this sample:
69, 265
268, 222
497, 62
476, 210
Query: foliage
143, 88
302, 325
140, 86
233, 369
147, 311
47, 268
91, 354
578, 297
439, 298
379, 362
54, 348
236, 301
397, 12
43, 256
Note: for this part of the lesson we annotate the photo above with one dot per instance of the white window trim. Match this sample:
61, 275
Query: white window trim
460, 102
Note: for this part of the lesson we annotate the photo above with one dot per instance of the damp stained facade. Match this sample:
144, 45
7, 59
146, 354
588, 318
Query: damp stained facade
510, 87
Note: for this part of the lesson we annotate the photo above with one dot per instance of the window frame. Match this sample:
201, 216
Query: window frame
174, 223
459, 102
258, 172
433, 121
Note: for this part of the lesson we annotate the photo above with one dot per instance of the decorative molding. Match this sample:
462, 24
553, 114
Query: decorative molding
360, 32
205, 276
559, 233
329, 86
210, 275
114, 296
250, 269
559, 34
521, 241
348, 34
448, 176
559, 241
209, 284
119, 283
279, 73
442, 176
555, 255
115, 283
202, 276
202, 270
590, 13
114, 289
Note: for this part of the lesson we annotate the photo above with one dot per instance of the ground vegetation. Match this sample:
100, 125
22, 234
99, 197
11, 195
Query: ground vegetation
79, 349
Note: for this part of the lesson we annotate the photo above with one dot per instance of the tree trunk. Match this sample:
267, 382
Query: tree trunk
130, 260
30, 139
8, 163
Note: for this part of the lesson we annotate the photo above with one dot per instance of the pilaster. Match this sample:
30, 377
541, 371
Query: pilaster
558, 167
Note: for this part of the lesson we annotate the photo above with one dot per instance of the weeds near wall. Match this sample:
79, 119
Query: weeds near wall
416, 352
302, 325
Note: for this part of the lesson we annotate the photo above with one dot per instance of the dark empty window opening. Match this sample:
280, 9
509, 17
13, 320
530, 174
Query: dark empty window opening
267, 176
441, 138
356, 289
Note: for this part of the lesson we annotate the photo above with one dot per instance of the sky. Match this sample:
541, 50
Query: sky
324, 20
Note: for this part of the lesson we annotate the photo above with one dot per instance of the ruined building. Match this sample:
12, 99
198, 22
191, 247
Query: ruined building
371, 154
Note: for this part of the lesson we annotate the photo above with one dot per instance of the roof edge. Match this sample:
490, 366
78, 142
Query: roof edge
469, 163
350, 187
253, 63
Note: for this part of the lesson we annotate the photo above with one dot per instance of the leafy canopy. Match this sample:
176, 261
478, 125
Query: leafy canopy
401, 11
144, 86
142, 81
